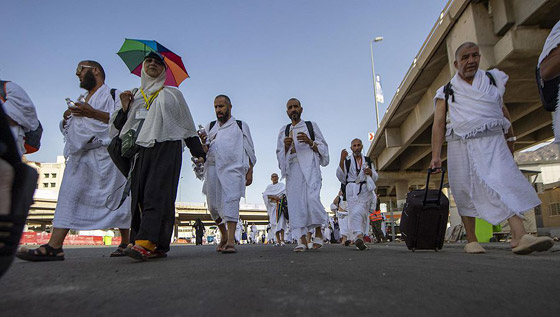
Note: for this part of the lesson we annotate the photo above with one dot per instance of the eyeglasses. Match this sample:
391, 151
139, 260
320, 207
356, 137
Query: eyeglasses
81, 67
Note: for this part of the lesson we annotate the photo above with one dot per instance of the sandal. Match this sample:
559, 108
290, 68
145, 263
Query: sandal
220, 247
119, 251
157, 255
300, 248
360, 244
317, 243
35, 255
529, 243
229, 249
137, 252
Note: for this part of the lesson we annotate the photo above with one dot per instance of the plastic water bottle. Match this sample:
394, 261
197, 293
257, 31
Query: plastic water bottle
201, 129
198, 167
70, 103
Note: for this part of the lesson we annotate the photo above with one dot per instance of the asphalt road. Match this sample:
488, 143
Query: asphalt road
263, 280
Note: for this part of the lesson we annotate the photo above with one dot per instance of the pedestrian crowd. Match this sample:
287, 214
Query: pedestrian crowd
132, 141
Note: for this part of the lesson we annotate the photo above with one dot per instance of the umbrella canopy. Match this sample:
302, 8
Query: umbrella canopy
133, 51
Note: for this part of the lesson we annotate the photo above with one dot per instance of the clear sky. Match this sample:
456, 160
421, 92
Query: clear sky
259, 52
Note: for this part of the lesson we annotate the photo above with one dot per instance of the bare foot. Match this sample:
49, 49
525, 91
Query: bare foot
514, 243
221, 246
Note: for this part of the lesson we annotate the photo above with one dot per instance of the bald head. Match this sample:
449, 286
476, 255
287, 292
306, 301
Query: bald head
467, 61
294, 100
466, 45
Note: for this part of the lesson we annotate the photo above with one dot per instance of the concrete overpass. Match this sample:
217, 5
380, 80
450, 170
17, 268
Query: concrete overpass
42, 211
511, 34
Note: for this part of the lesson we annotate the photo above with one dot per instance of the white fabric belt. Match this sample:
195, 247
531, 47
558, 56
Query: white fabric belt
454, 137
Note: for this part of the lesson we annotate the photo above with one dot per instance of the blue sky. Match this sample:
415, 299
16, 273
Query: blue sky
259, 52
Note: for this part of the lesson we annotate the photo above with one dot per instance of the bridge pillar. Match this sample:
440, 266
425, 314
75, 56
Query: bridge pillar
402, 190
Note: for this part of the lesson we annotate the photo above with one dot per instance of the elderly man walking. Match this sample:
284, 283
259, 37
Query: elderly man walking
484, 179
228, 170
301, 150
160, 118
90, 176
359, 178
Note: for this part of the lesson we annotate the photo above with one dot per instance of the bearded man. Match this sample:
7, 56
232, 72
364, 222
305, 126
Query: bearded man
228, 170
90, 176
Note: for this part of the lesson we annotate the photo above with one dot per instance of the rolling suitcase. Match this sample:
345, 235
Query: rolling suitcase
424, 217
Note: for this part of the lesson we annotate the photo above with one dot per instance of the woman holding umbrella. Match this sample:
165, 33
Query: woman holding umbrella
154, 124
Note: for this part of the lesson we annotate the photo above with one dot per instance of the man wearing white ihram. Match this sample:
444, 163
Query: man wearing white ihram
359, 179
340, 207
228, 169
301, 150
90, 176
272, 197
483, 177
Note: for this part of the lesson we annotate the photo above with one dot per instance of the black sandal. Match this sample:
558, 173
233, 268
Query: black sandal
35, 255
119, 251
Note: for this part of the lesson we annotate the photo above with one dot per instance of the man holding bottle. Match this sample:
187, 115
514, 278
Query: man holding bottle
90, 176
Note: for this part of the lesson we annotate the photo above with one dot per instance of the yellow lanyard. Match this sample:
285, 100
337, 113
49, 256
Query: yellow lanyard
151, 99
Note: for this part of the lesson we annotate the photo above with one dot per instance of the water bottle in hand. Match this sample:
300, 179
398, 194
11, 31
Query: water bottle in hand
70, 103
198, 167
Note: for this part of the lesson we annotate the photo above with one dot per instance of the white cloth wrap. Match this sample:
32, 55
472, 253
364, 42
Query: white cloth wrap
276, 190
552, 42
238, 230
229, 156
308, 159
303, 179
341, 211
91, 180
358, 204
168, 119
81, 133
20, 108
477, 107
485, 181
304, 202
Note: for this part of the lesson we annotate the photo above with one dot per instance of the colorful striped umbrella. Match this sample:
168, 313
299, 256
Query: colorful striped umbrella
133, 51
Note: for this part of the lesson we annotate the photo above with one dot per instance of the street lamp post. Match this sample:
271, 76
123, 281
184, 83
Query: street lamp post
377, 39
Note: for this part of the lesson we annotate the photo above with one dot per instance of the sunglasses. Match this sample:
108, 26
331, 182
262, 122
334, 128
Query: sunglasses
81, 67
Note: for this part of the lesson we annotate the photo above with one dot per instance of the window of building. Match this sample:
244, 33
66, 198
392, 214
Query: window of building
554, 209
46, 175
45, 185
53, 185
53, 175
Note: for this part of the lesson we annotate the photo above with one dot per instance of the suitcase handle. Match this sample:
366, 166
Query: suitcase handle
430, 171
